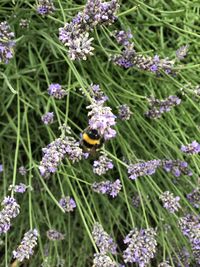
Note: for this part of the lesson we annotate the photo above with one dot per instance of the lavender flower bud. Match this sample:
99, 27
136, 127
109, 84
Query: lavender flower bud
67, 203
10, 210
141, 246
75, 35
103, 241
22, 170
143, 168
184, 258
101, 119
124, 112
1, 168
45, 7
10, 207
48, 118
158, 107
190, 227
191, 149
194, 197
176, 167
80, 47
6, 42
55, 152
181, 53
55, 235
108, 187
102, 260
102, 165
21, 188
123, 38
25, 249
136, 201
56, 91
170, 202
24, 23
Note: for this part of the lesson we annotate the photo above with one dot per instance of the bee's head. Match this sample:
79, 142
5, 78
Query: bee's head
93, 134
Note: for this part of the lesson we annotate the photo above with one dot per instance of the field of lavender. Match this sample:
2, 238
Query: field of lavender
99, 133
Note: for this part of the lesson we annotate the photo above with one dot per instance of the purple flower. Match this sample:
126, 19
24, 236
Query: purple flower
102, 239
53, 234
24, 23
191, 149
170, 202
194, 197
1, 167
123, 38
102, 165
136, 201
25, 249
102, 119
55, 152
75, 35
6, 42
47, 118
56, 91
67, 203
107, 187
158, 107
103, 260
143, 168
22, 170
190, 227
21, 188
181, 53
124, 112
45, 7
176, 167
129, 58
141, 246
10, 210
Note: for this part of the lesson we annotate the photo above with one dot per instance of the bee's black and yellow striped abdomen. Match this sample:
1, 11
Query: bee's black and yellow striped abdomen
91, 139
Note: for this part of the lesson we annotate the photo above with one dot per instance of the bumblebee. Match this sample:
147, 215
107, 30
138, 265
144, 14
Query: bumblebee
91, 140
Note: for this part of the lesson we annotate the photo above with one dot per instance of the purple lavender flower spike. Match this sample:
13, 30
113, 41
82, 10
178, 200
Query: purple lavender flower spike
194, 197
53, 234
56, 91
123, 38
21, 188
1, 168
103, 241
102, 165
55, 152
190, 227
191, 149
6, 42
141, 246
103, 260
176, 167
47, 118
143, 168
67, 203
107, 187
75, 35
25, 249
170, 202
181, 53
158, 107
124, 112
102, 119
10, 210
45, 7
22, 170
